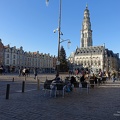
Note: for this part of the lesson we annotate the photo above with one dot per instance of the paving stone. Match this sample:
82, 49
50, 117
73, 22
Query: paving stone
102, 103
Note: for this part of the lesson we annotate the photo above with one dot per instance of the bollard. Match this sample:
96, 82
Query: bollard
23, 86
13, 79
38, 84
7, 91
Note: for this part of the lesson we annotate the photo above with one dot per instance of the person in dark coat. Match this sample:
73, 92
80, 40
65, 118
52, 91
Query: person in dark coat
35, 73
83, 82
72, 80
82, 79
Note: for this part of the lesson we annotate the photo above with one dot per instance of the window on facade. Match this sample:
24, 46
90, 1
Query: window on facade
7, 55
98, 62
7, 61
13, 61
84, 62
87, 62
82, 35
91, 62
95, 62
13, 56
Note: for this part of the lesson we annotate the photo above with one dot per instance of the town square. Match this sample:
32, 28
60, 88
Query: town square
59, 60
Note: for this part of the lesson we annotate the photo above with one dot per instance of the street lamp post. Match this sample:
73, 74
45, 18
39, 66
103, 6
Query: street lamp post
59, 34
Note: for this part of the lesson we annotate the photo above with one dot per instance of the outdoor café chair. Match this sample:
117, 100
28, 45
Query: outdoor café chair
60, 87
47, 86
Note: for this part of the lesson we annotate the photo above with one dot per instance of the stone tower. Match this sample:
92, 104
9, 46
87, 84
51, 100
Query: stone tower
86, 32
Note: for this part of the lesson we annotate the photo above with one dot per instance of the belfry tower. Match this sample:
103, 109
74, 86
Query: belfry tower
86, 32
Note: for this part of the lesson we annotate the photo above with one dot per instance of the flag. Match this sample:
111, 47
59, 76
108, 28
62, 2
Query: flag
47, 1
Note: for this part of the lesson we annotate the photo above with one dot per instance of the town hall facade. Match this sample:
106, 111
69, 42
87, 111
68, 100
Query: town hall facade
92, 57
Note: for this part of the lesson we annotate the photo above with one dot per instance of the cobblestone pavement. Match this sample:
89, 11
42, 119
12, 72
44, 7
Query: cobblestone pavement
102, 103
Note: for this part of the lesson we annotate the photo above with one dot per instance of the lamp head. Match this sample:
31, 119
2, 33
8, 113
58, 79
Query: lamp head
54, 31
69, 43
47, 2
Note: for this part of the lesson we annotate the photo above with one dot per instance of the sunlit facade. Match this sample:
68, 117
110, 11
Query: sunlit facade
92, 57
15, 58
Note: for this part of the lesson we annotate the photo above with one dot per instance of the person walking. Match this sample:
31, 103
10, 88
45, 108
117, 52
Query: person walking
114, 76
23, 72
35, 73
1, 70
20, 71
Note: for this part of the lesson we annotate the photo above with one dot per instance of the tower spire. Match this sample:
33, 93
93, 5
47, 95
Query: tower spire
86, 6
86, 32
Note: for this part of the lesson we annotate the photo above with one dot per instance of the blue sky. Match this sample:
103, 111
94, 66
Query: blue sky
30, 23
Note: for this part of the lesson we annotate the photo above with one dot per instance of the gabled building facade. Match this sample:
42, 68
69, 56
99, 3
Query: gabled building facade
1, 53
12, 59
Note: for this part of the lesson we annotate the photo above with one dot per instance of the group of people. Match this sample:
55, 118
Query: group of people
113, 75
68, 84
26, 72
